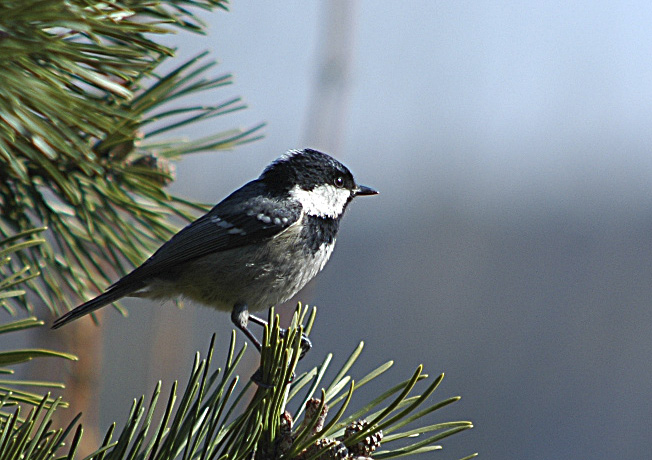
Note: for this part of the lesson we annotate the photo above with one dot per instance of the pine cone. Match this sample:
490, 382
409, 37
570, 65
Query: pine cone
312, 406
284, 439
156, 163
366, 445
336, 450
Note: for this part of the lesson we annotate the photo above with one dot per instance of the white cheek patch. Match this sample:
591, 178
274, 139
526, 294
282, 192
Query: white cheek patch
322, 201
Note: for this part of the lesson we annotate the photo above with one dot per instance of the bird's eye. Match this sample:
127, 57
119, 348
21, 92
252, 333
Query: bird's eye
339, 182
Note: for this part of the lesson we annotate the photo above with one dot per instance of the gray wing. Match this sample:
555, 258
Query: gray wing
234, 222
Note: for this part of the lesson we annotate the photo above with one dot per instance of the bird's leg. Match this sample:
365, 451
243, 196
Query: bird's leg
240, 317
306, 344
257, 320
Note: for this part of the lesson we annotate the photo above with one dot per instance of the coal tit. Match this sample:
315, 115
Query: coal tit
255, 249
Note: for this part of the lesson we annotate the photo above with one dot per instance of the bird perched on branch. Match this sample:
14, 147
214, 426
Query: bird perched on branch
255, 249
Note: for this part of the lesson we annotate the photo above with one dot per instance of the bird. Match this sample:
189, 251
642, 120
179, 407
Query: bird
255, 249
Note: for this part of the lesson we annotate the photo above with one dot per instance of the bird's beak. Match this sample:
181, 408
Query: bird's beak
363, 190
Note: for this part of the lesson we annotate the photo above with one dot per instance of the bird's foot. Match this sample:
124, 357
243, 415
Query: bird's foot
305, 346
257, 378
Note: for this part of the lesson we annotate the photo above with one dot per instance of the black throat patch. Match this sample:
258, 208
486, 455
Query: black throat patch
317, 231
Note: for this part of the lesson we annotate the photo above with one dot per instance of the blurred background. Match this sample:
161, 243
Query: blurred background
510, 246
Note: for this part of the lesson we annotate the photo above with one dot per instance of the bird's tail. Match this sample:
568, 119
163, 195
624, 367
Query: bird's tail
115, 293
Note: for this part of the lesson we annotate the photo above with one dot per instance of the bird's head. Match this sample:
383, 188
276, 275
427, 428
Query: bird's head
322, 185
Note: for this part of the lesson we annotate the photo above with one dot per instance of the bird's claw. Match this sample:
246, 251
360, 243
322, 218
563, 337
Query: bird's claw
305, 345
257, 378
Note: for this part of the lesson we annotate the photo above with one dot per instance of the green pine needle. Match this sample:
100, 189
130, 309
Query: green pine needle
211, 420
83, 112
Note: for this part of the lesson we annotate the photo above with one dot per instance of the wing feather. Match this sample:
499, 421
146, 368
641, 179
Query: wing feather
234, 222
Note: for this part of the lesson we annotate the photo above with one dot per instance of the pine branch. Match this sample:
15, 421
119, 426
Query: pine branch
201, 423
81, 112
